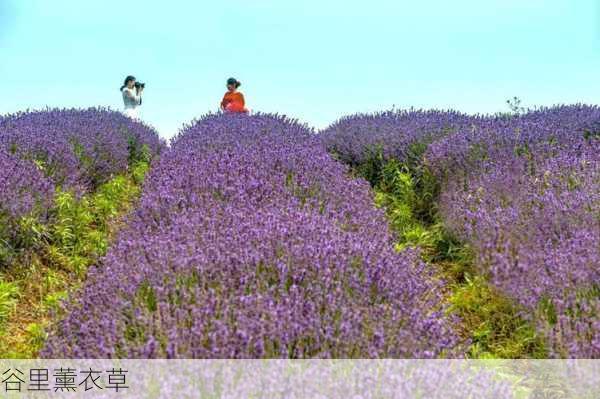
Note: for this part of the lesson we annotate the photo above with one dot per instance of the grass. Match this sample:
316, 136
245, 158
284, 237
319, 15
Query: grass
491, 322
9, 294
25, 323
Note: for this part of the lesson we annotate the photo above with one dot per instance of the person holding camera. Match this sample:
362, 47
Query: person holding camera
132, 96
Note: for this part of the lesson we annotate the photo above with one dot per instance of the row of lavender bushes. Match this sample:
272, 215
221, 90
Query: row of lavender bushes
250, 241
522, 190
78, 149
43, 152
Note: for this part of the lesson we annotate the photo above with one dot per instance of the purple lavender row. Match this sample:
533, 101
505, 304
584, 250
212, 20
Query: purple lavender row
77, 149
68, 149
526, 195
354, 138
24, 191
537, 135
523, 191
251, 242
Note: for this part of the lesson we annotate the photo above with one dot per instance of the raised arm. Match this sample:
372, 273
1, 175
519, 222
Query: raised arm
135, 97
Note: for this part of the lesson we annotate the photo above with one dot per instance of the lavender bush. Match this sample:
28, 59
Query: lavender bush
23, 187
355, 139
523, 190
526, 194
24, 193
50, 151
77, 149
250, 241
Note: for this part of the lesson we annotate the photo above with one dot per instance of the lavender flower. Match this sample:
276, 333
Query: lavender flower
523, 191
77, 148
251, 241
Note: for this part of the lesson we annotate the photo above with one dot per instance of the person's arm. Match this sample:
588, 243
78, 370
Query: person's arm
137, 97
224, 102
242, 100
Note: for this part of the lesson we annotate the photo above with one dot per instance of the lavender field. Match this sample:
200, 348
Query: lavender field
403, 234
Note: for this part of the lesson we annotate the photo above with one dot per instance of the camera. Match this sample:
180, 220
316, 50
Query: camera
139, 85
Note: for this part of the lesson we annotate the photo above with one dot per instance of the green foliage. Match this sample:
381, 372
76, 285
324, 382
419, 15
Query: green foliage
398, 180
80, 232
32, 232
371, 168
408, 194
36, 335
590, 135
9, 293
492, 322
410, 181
6, 249
73, 221
48, 168
72, 218
18, 237
108, 200
138, 172
548, 311
420, 237
51, 281
398, 198
147, 296
138, 153
85, 160
457, 257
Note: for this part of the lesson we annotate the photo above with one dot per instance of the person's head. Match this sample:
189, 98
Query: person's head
129, 82
233, 84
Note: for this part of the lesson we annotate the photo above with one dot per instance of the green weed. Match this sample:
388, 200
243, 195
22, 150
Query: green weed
9, 293
80, 232
491, 321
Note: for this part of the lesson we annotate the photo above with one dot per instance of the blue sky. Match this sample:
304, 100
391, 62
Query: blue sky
315, 60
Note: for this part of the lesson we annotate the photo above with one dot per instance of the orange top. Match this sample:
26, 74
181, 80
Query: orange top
233, 102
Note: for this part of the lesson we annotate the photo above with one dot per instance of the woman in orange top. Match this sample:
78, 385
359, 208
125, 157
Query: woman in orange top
233, 100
